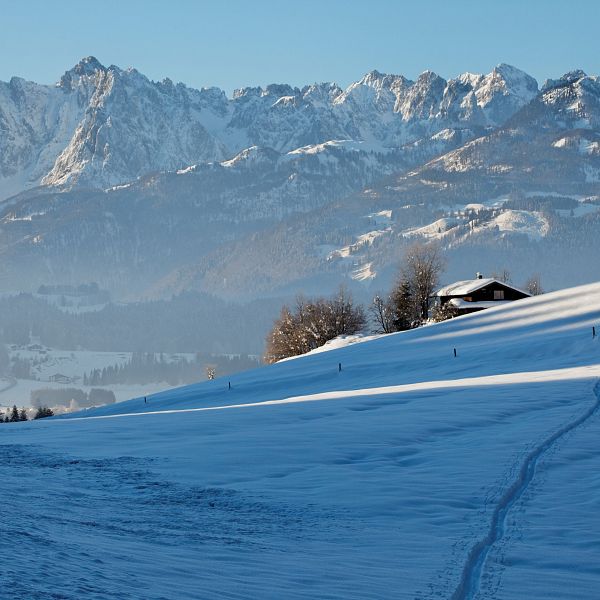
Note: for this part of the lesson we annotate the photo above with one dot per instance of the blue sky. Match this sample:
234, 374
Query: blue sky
233, 43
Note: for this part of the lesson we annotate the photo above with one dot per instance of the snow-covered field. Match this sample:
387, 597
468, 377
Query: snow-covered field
409, 474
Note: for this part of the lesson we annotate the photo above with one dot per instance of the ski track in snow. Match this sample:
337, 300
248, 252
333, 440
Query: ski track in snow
469, 584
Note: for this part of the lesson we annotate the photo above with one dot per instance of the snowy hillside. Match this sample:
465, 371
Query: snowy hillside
408, 474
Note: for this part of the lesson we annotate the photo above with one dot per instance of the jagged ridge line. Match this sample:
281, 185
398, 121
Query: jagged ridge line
469, 582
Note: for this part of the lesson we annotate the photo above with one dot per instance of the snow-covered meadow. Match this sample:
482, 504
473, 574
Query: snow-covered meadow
408, 474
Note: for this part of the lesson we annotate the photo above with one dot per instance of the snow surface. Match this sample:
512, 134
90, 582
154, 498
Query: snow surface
460, 303
382, 217
407, 474
345, 145
437, 229
580, 211
364, 272
532, 224
365, 239
581, 144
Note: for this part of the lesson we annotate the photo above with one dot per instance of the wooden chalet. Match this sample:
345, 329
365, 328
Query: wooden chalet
477, 294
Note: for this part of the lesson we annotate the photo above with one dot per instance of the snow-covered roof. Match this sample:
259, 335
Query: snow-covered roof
460, 303
463, 288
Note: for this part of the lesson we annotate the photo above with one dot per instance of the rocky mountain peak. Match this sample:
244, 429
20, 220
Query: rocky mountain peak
86, 67
567, 79
280, 89
251, 157
428, 77
322, 92
245, 92
513, 81
373, 78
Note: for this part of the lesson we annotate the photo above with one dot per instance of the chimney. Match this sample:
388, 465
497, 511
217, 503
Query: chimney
479, 275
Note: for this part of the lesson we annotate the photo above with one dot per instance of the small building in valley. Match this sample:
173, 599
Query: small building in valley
472, 295
60, 378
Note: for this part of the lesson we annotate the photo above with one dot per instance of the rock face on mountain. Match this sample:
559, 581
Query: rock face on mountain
131, 127
104, 126
36, 124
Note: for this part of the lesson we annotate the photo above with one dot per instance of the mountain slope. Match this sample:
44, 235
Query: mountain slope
131, 236
304, 481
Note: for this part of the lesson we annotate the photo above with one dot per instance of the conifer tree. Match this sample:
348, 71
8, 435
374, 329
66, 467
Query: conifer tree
43, 412
405, 309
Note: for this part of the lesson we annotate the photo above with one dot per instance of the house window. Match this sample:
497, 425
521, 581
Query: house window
498, 294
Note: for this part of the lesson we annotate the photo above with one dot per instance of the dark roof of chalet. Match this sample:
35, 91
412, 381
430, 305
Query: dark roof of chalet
464, 288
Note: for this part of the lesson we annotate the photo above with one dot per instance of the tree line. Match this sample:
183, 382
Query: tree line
15, 415
311, 323
148, 367
65, 396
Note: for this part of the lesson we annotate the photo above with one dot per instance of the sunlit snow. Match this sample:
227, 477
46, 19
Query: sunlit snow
381, 468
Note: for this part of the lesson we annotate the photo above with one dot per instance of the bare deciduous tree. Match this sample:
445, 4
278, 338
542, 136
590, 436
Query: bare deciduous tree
502, 275
534, 285
382, 314
422, 266
284, 339
313, 323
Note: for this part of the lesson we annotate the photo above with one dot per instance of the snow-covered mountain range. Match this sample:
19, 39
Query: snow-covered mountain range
153, 188
103, 126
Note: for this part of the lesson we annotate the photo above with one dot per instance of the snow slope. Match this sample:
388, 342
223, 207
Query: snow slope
407, 474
